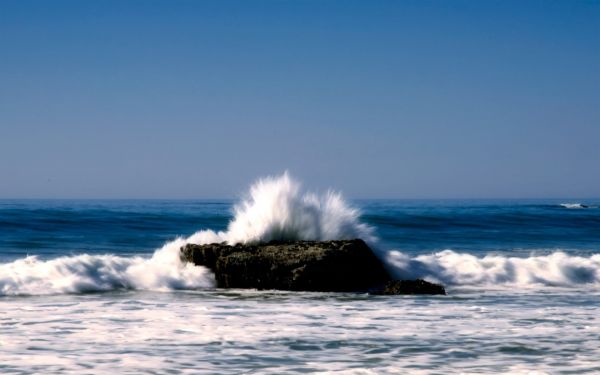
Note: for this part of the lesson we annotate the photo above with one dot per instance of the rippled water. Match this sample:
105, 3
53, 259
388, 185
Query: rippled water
514, 304
276, 332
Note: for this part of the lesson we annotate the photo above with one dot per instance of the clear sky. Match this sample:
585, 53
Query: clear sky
397, 99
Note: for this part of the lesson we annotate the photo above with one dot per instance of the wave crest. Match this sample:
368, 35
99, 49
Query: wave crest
575, 205
97, 273
452, 268
276, 209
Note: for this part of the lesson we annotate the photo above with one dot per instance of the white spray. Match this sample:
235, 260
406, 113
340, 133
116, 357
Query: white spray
275, 209
278, 209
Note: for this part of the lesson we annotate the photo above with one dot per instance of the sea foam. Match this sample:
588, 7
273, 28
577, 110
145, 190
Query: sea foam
94, 273
276, 208
452, 268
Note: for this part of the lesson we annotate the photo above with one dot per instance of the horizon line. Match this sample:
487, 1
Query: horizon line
238, 198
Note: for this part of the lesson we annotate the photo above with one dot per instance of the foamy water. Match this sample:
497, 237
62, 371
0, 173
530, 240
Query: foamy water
101, 273
277, 332
452, 268
523, 282
277, 208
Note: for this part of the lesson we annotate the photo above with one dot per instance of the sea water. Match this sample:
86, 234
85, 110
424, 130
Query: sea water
97, 287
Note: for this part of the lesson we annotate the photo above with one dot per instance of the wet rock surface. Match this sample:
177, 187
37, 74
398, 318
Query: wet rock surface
417, 286
323, 266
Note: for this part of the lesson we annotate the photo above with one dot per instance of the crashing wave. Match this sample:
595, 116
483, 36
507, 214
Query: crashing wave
276, 209
460, 269
97, 273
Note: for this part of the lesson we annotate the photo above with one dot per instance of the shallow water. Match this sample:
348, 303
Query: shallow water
277, 332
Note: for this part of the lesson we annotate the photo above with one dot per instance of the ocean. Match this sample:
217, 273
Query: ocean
97, 287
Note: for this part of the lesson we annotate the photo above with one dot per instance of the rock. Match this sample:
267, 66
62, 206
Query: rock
327, 266
417, 286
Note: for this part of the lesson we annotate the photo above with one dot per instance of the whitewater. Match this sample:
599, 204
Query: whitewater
277, 208
99, 287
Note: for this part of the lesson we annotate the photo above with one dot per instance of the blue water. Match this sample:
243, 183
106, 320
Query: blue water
50, 228
523, 280
481, 226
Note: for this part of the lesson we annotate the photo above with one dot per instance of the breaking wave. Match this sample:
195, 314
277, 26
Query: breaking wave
460, 269
276, 209
575, 205
98, 273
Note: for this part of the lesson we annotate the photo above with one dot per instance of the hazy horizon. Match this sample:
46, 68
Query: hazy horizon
242, 195
382, 99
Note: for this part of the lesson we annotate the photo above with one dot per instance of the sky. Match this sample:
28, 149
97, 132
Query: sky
377, 99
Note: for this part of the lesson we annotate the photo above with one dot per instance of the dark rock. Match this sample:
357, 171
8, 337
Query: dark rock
328, 266
417, 286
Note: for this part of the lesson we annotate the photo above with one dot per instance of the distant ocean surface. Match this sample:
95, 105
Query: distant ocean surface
51, 228
83, 288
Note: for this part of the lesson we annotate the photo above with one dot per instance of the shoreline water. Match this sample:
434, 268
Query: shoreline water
544, 319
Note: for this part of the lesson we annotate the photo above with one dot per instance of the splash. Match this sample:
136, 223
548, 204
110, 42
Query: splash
276, 209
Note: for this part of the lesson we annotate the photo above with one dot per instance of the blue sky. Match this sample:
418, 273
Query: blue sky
396, 99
